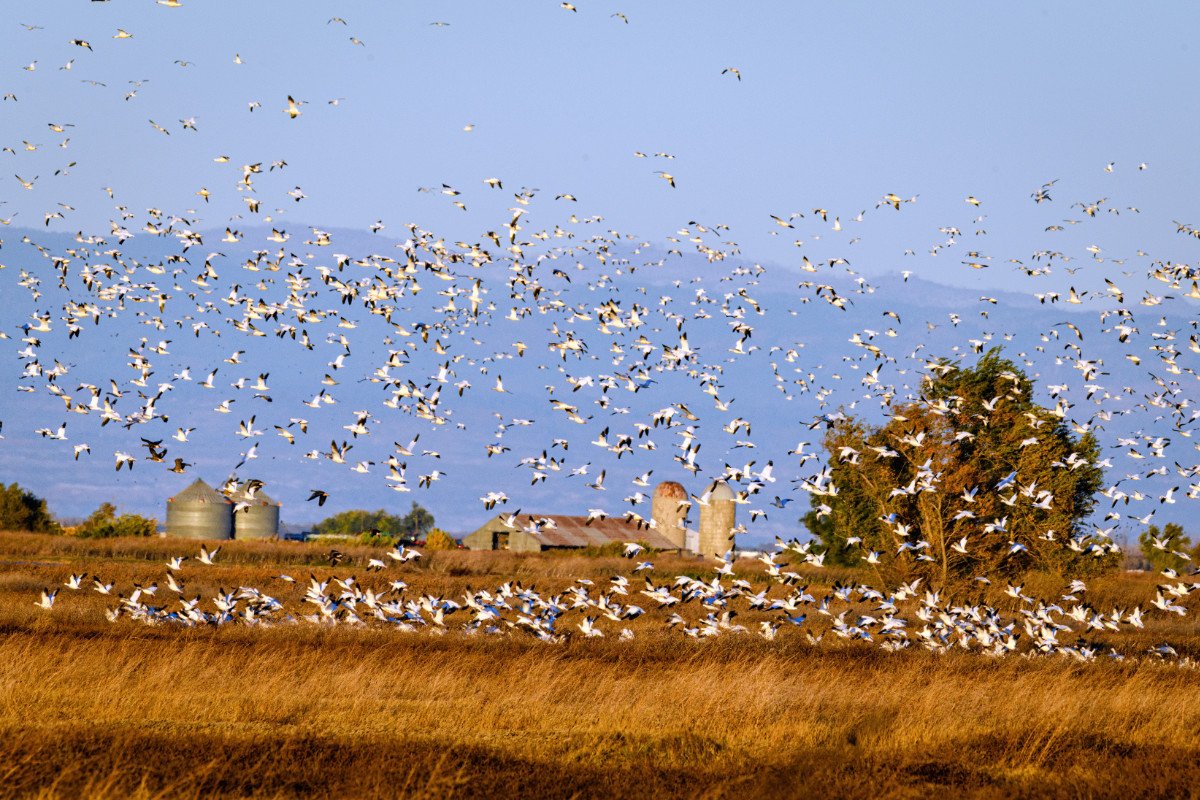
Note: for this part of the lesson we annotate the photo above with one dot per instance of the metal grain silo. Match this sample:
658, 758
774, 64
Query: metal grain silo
668, 509
717, 520
259, 520
200, 512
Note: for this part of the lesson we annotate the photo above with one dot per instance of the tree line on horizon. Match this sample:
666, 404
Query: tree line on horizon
22, 510
406, 528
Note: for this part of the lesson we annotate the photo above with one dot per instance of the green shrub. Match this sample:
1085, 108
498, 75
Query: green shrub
438, 539
105, 524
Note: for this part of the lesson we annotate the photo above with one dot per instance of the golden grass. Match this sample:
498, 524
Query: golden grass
94, 709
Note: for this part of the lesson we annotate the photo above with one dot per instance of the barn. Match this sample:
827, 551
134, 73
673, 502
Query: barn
561, 532
668, 529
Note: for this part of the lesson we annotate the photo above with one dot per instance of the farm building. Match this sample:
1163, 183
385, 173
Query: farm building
561, 531
534, 533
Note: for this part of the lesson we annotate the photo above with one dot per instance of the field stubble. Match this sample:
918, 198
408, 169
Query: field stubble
92, 708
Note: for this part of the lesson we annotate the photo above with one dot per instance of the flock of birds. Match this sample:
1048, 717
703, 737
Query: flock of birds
907, 616
623, 348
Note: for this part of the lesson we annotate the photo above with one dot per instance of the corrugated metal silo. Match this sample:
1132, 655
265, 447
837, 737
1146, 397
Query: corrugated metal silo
200, 512
259, 520
717, 520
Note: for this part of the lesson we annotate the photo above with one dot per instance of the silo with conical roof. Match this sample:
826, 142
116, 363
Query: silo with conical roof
257, 520
717, 520
668, 509
200, 512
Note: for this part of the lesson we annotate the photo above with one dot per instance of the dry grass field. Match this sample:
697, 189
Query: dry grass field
91, 708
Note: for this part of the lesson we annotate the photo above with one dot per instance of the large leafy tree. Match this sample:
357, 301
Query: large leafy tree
21, 510
972, 478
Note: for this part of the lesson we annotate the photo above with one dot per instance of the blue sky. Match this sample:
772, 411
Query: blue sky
837, 105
